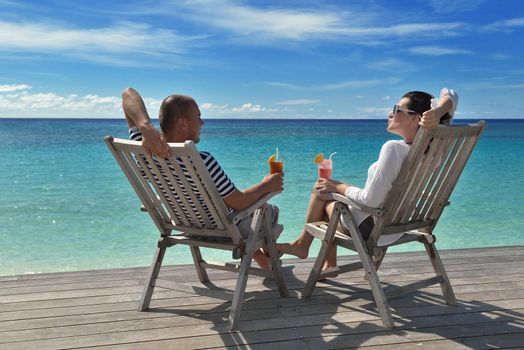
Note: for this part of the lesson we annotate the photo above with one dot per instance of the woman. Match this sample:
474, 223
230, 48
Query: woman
414, 109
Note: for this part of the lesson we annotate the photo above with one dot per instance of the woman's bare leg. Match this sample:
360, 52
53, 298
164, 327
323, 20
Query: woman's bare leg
316, 212
331, 260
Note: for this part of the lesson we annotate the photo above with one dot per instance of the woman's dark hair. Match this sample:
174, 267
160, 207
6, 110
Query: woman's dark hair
420, 102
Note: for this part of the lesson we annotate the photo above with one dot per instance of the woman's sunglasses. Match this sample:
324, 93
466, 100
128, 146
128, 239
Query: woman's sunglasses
396, 109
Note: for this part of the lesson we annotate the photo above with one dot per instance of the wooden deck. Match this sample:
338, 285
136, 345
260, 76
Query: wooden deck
97, 309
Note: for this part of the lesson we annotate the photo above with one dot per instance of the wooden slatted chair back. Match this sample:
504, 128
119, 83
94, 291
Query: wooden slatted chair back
178, 192
426, 179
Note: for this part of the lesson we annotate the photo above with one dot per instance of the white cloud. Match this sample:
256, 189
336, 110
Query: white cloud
454, 6
263, 25
500, 56
375, 110
209, 107
249, 21
249, 108
246, 110
302, 101
352, 84
49, 104
438, 51
506, 24
386, 98
495, 85
346, 84
283, 85
386, 64
14, 87
111, 45
404, 30
42, 104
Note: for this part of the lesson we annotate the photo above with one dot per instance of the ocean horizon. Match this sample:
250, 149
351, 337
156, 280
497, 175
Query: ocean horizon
66, 205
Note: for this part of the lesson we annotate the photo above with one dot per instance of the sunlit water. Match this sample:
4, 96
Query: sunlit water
65, 205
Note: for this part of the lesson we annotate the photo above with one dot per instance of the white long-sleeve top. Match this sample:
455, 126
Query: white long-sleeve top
452, 95
381, 175
384, 171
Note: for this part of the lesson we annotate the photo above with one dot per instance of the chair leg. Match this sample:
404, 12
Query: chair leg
276, 263
377, 260
322, 254
438, 267
152, 276
240, 289
378, 292
197, 259
371, 273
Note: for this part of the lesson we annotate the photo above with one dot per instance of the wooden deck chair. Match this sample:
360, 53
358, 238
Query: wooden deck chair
162, 187
413, 206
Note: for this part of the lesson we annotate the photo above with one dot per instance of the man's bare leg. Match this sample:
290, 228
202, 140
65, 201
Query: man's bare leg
262, 259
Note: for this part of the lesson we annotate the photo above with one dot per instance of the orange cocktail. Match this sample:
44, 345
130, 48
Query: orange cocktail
275, 165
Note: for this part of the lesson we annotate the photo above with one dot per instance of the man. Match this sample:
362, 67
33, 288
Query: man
180, 120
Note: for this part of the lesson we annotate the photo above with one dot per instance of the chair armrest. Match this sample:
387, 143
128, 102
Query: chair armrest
343, 199
235, 217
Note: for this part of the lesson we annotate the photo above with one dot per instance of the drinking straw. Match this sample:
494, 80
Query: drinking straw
331, 155
276, 155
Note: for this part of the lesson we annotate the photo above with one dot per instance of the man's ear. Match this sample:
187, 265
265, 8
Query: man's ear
182, 123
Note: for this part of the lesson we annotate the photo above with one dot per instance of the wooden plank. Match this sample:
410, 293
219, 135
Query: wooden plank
417, 178
262, 321
256, 320
197, 179
445, 170
490, 299
335, 333
502, 252
177, 214
499, 341
147, 196
185, 207
215, 199
498, 269
357, 292
359, 297
122, 302
316, 313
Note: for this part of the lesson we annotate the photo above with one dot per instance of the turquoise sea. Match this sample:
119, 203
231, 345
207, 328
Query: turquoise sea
65, 205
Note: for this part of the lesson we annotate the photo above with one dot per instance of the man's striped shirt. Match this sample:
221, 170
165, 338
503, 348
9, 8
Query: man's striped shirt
224, 185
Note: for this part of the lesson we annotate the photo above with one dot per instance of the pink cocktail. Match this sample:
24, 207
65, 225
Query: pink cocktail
325, 168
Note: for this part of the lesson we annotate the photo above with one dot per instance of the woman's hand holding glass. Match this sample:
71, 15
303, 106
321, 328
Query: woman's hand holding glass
328, 185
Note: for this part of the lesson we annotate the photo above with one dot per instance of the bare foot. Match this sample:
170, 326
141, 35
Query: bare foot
326, 267
293, 249
262, 260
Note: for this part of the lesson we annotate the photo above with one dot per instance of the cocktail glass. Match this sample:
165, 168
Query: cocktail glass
276, 166
325, 168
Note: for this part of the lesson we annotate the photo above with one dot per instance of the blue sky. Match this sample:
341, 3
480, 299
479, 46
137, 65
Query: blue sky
260, 59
